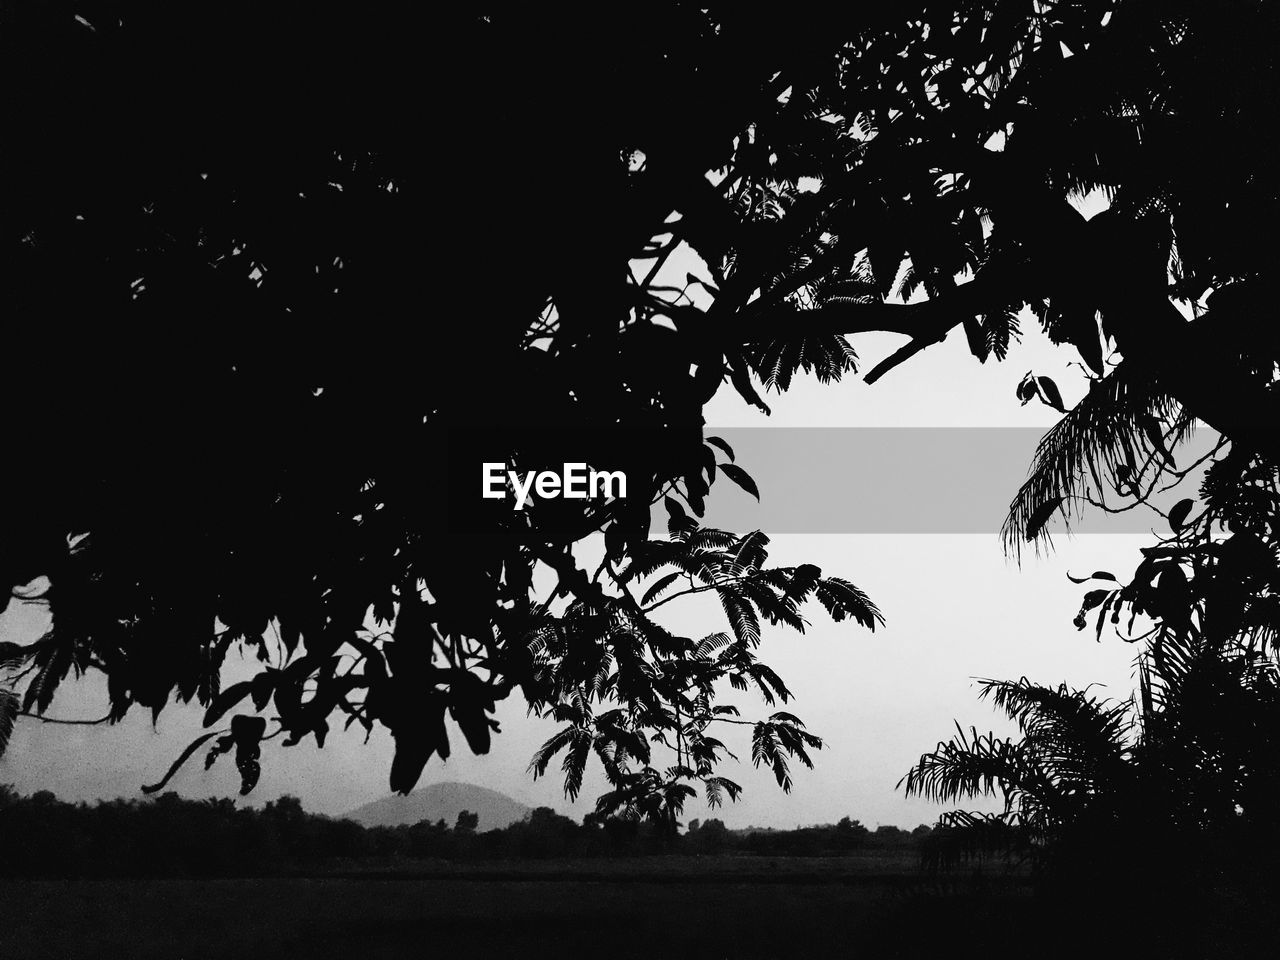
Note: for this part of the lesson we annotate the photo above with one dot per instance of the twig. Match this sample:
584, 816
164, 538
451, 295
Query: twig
59, 720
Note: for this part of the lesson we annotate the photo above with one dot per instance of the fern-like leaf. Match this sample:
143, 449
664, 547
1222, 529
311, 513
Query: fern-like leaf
10, 706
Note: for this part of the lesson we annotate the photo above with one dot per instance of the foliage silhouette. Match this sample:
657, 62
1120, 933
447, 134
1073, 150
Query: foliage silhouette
287, 476
1171, 793
290, 482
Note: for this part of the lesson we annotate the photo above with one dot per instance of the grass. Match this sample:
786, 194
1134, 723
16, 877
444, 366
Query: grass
712, 908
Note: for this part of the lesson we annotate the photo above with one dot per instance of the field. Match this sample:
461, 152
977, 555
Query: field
708, 907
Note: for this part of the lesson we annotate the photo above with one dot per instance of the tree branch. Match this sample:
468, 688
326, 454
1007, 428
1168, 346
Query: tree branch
70, 723
902, 355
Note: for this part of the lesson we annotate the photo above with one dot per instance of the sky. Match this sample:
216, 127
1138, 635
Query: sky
957, 608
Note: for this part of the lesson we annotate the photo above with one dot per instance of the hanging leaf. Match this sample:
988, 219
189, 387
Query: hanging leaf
679, 523
842, 599
697, 500
247, 733
1049, 393
1151, 427
742, 617
1093, 598
264, 684
469, 705
717, 442
999, 330
977, 339
1112, 603
1178, 515
1096, 575
1026, 389
717, 787
220, 746
708, 463
227, 699
660, 587
741, 478
182, 758
53, 660
740, 377
417, 737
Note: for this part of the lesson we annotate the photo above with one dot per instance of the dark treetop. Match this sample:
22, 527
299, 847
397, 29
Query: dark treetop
271, 271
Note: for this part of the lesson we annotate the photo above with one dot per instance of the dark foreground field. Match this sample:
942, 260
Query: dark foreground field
714, 908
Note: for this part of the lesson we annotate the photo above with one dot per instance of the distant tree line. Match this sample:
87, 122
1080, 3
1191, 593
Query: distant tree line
172, 836
846, 837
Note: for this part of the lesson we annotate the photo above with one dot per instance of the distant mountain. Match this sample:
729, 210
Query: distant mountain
443, 801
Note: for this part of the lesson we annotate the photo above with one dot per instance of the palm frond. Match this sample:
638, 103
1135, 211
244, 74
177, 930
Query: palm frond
827, 356
842, 599
1061, 713
969, 766
1108, 432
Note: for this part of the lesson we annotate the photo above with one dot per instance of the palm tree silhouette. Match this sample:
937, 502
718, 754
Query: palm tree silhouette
1178, 784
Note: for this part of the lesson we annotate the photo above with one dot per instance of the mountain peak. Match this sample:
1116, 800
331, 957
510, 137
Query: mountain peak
442, 801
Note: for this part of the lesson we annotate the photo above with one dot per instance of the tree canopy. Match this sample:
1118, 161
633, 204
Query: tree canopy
278, 274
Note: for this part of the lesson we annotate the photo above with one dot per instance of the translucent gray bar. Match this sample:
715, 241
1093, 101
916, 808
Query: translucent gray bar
902, 480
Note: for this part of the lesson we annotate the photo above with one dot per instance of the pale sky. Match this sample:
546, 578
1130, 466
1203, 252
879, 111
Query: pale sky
956, 608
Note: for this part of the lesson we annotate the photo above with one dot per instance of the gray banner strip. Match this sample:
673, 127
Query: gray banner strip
902, 480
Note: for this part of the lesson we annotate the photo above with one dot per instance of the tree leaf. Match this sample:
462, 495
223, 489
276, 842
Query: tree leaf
842, 599
1096, 575
1048, 391
742, 617
247, 732
220, 746
741, 478
53, 661
740, 377
1041, 516
717, 442
1093, 598
263, 685
1151, 427
12, 654
1026, 389
679, 523
9, 708
977, 338
182, 758
227, 699
1178, 515
659, 587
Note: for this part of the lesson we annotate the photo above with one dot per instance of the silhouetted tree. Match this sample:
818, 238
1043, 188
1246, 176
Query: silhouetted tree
1171, 795
1071, 757
245, 447
712, 836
